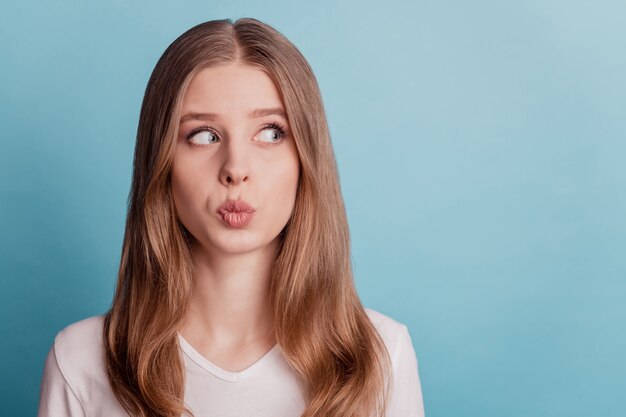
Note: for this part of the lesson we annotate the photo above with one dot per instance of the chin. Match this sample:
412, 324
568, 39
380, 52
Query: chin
240, 241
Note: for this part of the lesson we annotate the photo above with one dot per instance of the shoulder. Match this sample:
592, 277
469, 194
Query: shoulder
80, 344
406, 396
395, 335
75, 381
383, 322
79, 352
79, 331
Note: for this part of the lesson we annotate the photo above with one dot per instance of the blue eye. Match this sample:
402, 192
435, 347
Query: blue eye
202, 136
271, 135
273, 132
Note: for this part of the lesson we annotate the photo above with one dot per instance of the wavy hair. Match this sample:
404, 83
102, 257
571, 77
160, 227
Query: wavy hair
320, 324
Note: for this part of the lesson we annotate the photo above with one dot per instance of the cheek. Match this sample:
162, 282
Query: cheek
179, 195
284, 182
185, 189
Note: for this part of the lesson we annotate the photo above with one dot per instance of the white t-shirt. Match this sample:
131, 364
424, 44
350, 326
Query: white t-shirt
75, 384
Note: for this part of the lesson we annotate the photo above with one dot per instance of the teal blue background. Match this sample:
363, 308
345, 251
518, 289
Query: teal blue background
481, 148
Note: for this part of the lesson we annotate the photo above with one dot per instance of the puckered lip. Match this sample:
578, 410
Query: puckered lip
235, 206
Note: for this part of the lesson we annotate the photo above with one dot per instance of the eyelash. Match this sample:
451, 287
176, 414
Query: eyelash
274, 125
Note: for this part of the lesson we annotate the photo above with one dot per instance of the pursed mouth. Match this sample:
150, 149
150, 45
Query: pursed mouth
235, 206
236, 219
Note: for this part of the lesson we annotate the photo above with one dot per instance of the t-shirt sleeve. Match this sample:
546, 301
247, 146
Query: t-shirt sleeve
406, 393
56, 397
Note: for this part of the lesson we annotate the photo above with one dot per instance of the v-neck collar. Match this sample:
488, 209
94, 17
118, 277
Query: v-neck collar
223, 374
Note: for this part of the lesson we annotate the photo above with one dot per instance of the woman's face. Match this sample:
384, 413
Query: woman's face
234, 143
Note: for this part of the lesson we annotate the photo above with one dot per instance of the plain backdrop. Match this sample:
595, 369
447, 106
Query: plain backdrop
481, 147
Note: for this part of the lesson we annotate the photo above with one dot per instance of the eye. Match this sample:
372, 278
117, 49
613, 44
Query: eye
272, 133
202, 136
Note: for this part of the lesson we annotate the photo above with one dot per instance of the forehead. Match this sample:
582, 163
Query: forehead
230, 88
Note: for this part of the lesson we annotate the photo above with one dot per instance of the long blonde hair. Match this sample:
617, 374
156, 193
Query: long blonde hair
320, 324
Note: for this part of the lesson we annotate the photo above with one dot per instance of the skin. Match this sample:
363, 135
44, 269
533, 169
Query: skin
230, 321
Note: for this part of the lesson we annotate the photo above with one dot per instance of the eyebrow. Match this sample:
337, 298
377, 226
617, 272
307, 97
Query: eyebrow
253, 114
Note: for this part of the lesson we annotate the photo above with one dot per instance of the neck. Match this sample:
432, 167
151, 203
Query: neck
230, 297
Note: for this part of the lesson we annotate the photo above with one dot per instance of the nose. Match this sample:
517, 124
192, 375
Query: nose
235, 167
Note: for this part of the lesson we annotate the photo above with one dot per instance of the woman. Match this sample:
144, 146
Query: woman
235, 294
